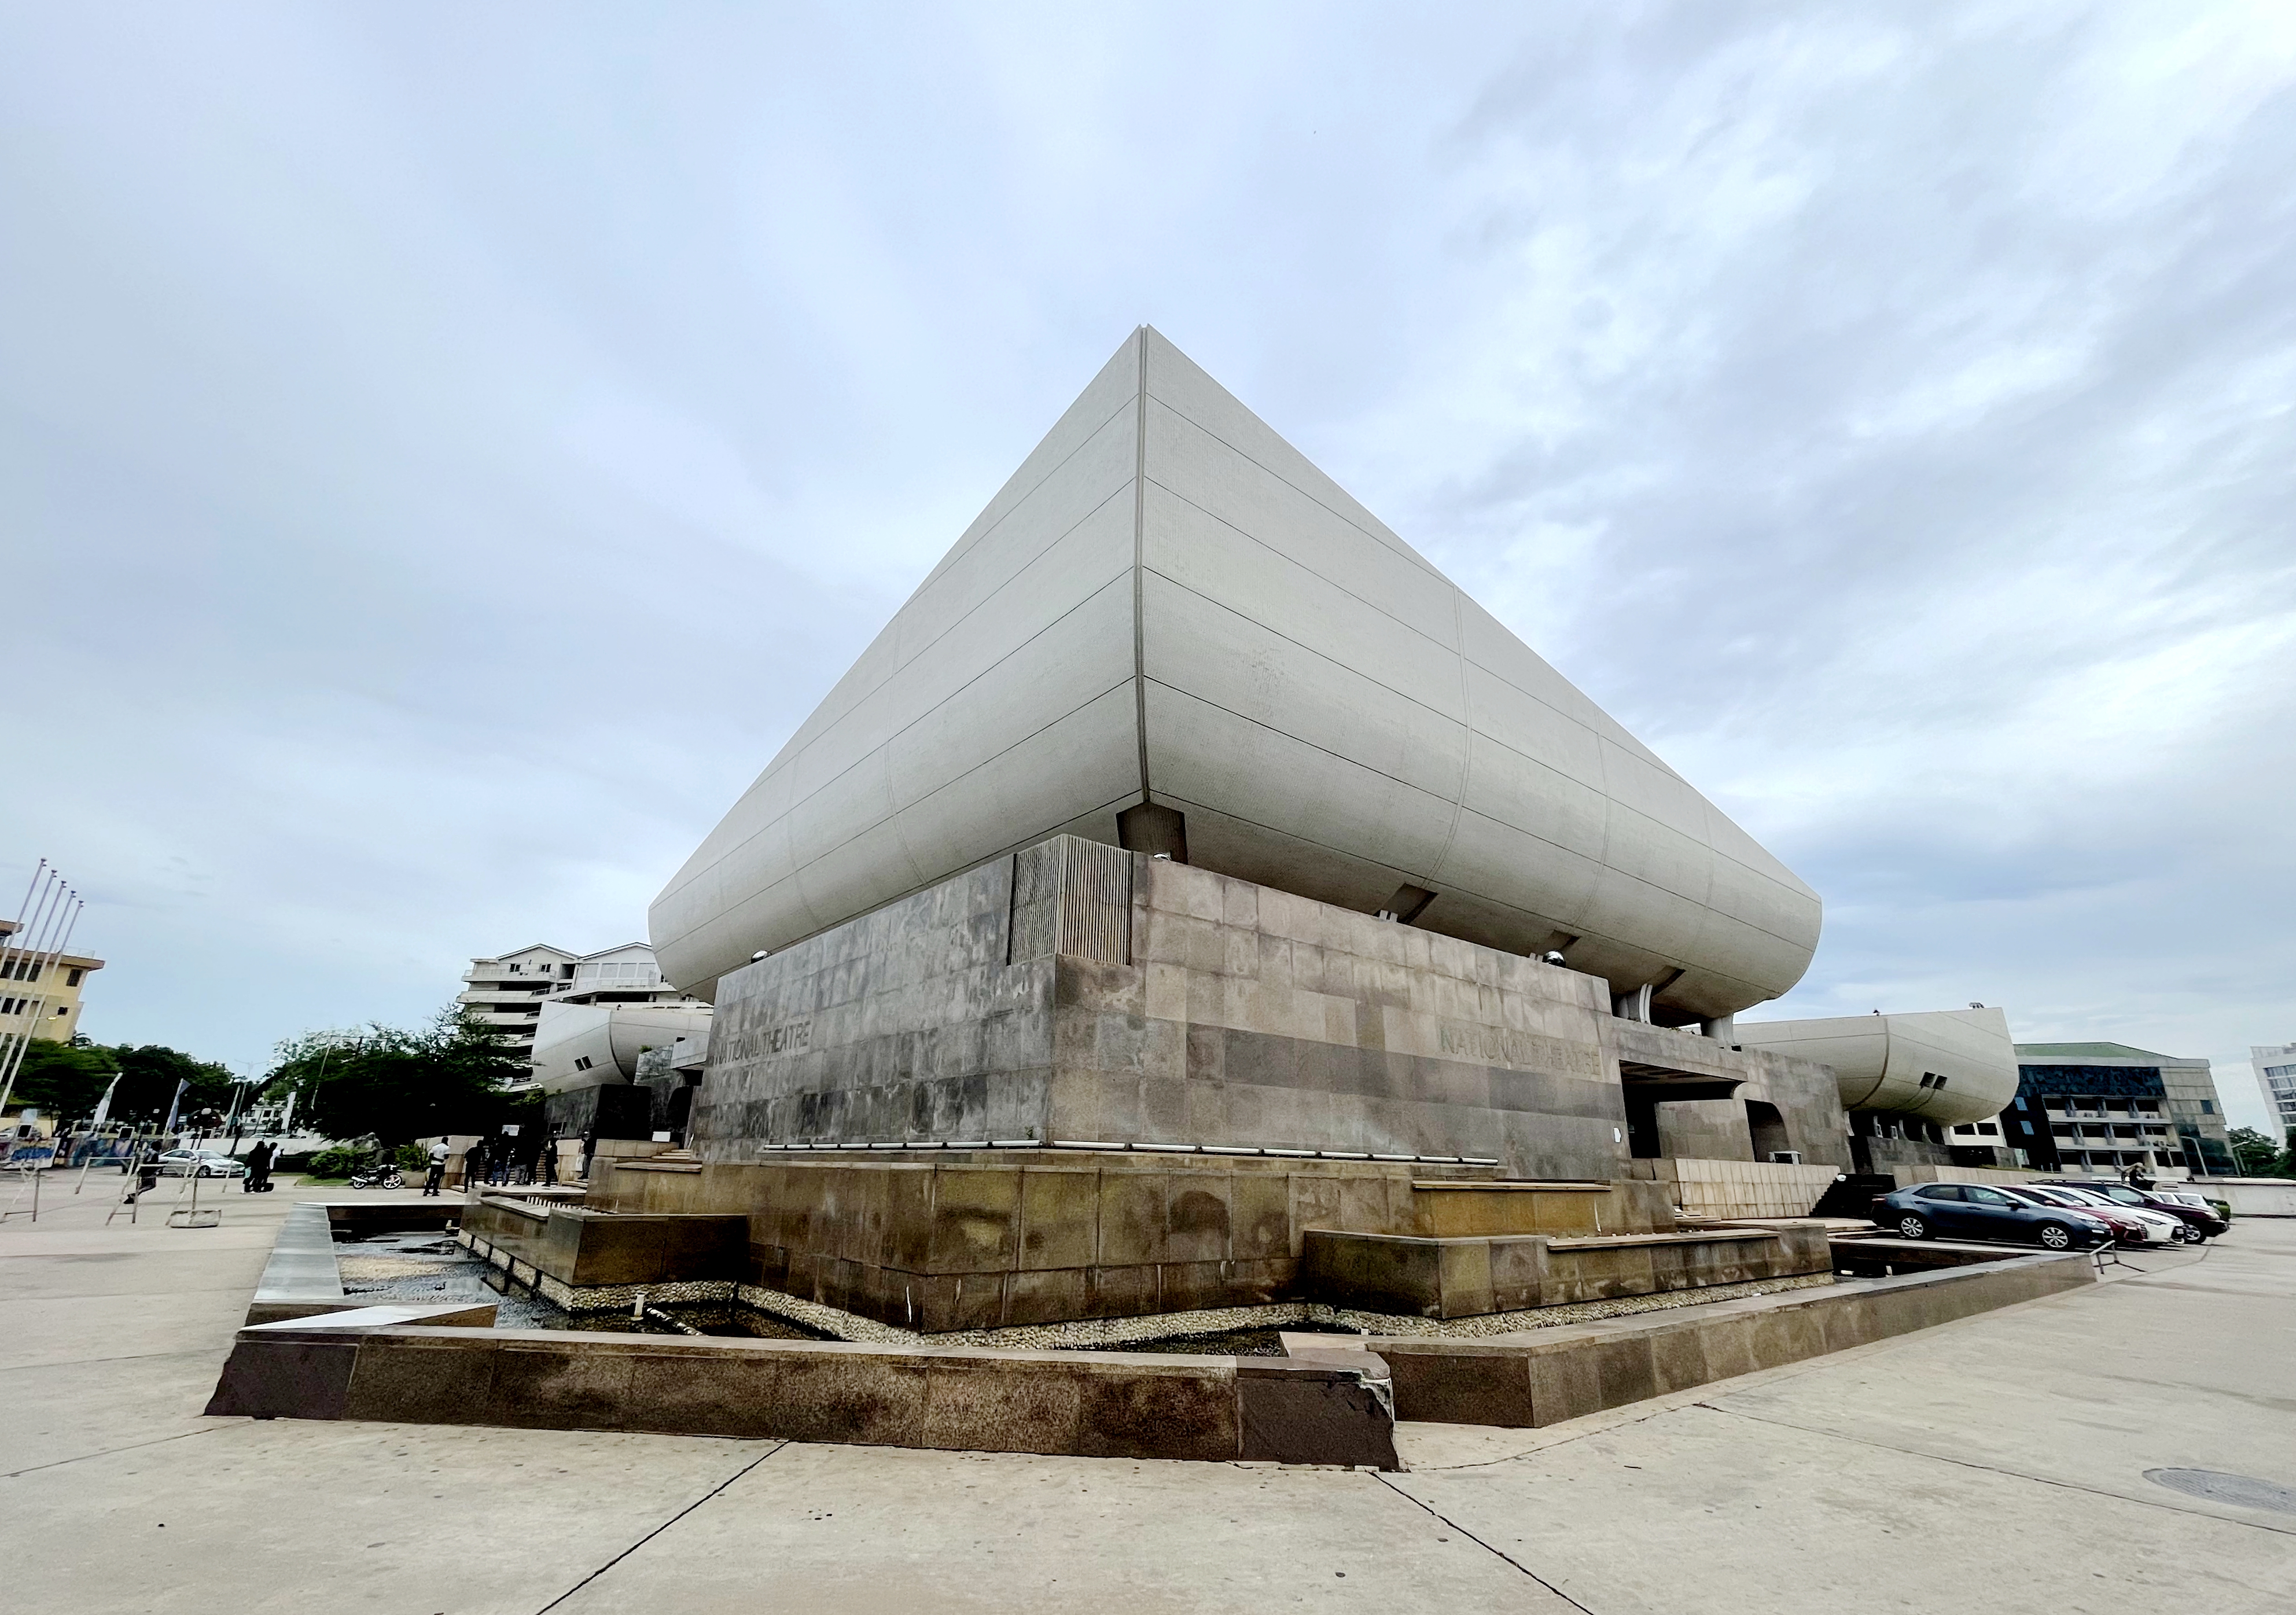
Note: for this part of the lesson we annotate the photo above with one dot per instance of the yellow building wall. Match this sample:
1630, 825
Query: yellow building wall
58, 1018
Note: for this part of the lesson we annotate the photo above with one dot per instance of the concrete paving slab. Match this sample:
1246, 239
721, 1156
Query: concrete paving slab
124, 1273
293, 1516
2090, 1389
840, 1528
34, 1333
1993, 1465
1699, 1509
63, 1410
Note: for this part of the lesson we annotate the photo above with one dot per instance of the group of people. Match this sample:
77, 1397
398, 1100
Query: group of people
499, 1157
142, 1162
260, 1160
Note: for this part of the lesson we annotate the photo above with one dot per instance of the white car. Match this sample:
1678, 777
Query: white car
203, 1163
2159, 1228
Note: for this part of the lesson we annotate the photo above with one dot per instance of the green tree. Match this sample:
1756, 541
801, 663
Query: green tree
64, 1080
395, 1085
148, 1076
2252, 1151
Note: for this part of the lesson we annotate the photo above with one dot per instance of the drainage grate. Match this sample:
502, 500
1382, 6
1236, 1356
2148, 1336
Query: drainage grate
2218, 1487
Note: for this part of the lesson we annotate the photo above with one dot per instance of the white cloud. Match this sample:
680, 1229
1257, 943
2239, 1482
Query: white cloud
449, 450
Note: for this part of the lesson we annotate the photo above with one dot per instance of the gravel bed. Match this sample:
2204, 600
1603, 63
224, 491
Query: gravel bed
1120, 1334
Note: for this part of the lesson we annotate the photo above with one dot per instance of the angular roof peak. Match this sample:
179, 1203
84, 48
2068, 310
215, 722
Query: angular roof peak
1167, 604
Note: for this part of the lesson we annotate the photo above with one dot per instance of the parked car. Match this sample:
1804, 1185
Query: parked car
2186, 1194
1983, 1212
200, 1163
2131, 1224
2200, 1223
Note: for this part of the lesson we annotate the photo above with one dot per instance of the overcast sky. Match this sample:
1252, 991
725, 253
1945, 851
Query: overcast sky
445, 449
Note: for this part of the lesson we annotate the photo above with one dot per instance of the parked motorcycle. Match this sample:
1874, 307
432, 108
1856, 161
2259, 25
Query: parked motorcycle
377, 1177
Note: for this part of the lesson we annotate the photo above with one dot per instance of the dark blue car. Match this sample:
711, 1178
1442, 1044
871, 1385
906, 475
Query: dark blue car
1973, 1211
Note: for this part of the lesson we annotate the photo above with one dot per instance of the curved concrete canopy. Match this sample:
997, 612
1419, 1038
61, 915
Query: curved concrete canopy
1882, 1062
1169, 604
610, 1036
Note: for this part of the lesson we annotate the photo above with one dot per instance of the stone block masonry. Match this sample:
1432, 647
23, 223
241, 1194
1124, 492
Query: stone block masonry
1547, 1376
952, 1240
1074, 991
385, 1363
1469, 1278
1121, 1064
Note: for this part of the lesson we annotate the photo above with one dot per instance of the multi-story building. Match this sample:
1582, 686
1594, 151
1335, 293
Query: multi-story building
509, 992
2275, 1065
2105, 1107
38, 995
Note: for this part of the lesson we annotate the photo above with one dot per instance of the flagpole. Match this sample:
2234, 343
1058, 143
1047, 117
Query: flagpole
48, 965
103, 1111
31, 921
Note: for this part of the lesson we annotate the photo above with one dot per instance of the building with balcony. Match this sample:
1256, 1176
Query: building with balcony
510, 991
2275, 1065
38, 995
2105, 1107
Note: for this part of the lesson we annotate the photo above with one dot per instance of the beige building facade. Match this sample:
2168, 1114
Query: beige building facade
510, 991
40, 996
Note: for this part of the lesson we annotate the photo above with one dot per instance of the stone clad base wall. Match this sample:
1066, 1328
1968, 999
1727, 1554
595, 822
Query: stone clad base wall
1455, 1278
946, 1240
1076, 993
1740, 1188
583, 1249
1196, 1038
1550, 1375
389, 1363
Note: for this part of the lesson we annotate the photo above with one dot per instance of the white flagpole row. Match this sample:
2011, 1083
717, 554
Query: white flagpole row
49, 926
15, 955
44, 971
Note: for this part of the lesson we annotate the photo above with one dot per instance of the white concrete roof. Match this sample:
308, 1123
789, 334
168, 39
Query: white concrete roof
1167, 603
1881, 1060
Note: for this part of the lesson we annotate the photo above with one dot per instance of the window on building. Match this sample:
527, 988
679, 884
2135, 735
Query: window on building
2208, 1107
74, 980
582, 1064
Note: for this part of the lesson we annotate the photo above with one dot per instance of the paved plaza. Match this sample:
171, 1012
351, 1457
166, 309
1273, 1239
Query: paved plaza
1997, 1464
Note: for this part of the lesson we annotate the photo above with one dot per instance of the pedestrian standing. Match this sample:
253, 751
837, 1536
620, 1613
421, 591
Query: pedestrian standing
589, 1149
257, 1180
145, 1164
550, 1159
436, 1173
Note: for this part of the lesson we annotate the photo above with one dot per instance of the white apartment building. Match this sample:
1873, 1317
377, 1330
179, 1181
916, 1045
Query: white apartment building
510, 991
2275, 1076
